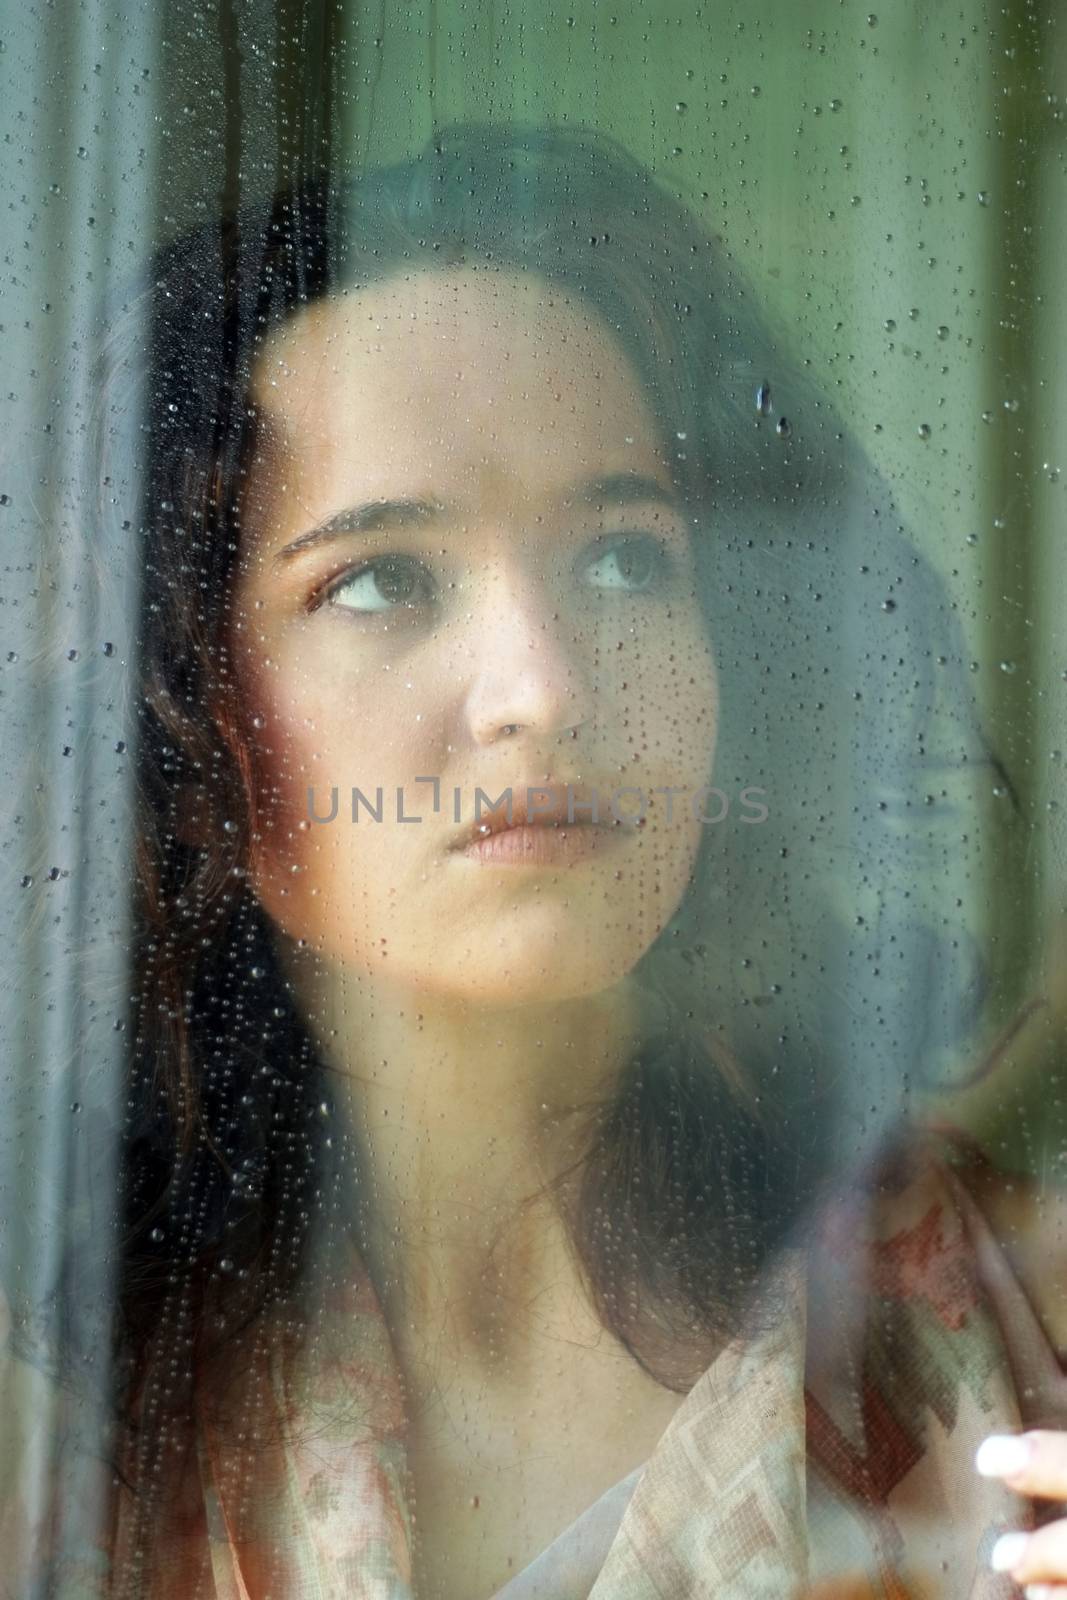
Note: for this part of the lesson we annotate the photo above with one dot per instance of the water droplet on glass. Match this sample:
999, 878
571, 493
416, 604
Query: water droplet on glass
889, 325
782, 426
983, 197
763, 399
925, 430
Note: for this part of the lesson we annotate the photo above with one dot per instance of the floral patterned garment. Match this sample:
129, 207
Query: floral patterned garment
828, 1457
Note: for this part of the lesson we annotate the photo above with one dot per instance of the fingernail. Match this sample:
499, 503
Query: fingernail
1008, 1551
1002, 1455
1039, 1591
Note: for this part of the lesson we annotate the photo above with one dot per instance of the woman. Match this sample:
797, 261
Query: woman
486, 1230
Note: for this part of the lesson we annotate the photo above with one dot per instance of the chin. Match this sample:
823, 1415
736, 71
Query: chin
552, 986
525, 969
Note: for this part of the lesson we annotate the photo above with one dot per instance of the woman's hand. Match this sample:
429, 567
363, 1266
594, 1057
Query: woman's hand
1034, 1464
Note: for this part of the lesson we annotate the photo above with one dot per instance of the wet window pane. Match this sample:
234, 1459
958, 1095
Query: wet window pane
534, 696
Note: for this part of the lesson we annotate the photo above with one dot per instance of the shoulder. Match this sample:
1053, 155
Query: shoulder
1026, 1218
926, 1279
932, 1221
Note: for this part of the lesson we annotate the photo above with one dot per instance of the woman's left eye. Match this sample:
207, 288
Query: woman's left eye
632, 564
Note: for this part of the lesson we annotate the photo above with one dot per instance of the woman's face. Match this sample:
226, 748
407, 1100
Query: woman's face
464, 560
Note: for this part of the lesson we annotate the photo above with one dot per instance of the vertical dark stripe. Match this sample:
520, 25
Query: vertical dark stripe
1013, 236
335, 49
230, 49
433, 21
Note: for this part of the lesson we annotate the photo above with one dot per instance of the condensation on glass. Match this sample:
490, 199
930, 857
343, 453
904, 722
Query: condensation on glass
532, 759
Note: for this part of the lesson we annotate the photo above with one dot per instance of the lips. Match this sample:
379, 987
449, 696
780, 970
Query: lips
546, 807
559, 847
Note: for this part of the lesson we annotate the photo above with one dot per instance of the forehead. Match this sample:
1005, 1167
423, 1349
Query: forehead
437, 367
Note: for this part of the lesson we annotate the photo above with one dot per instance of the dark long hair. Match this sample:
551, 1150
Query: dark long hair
842, 670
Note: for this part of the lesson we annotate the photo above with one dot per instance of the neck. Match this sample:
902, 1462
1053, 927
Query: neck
462, 1116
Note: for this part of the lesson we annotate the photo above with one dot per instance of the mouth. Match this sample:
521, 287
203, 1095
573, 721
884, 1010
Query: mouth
555, 827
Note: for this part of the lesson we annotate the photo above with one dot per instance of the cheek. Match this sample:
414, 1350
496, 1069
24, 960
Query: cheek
318, 721
670, 699
319, 728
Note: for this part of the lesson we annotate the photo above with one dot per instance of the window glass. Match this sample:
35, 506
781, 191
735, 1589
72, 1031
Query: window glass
534, 699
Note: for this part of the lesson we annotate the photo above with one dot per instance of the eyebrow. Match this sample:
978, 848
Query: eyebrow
616, 489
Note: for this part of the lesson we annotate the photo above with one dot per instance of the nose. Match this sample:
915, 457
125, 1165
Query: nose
529, 674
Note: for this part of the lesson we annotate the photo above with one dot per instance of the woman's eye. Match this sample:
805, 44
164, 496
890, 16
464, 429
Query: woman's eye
386, 584
633, 563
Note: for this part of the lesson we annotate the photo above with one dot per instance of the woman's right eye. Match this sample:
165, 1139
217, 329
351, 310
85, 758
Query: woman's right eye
388, 583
